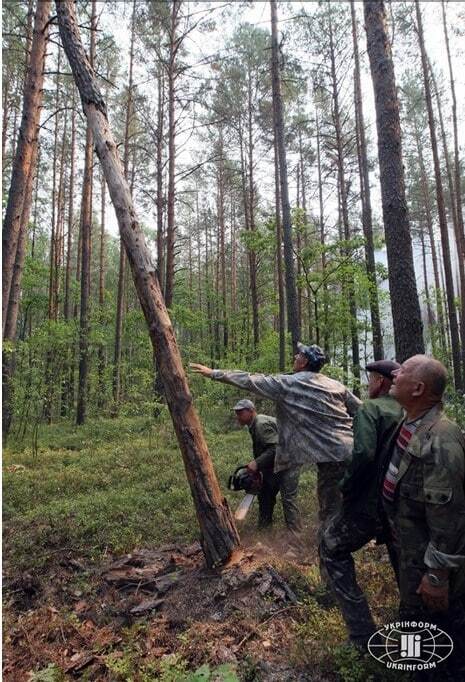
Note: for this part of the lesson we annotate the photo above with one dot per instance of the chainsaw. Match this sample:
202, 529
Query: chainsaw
251, 482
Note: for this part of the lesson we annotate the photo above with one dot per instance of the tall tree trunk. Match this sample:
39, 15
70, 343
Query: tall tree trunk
291, 291
406, 315
367, 222
251, 203
160, 197
429, 308
221, 224
219, 534
52, 311
67, 302
458, 184
279, 256
429, 225
33, 93
457, 226
122, 254
233, 329
174, 44
322, 242
452, 313
101, 294
345, 213
86, 232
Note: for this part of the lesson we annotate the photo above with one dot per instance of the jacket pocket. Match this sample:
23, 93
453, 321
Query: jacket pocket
411, 492
438, 495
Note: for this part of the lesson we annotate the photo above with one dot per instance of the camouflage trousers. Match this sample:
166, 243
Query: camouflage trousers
289, 487
343, 536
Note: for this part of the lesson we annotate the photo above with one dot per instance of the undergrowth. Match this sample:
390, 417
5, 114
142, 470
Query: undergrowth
117, 484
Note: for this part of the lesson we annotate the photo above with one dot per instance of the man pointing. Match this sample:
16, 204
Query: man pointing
314, 418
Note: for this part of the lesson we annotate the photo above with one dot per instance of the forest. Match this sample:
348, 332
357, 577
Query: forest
190, 181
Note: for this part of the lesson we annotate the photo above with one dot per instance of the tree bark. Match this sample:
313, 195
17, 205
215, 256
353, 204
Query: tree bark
122, 255
32, 103
279, 255
456, 218
452, 313
86, 233
291, 291
222, 255
219, 534
160, 198
365, 194
406, 315
344, 213
101, 294
174, 44
251, 203
458, 184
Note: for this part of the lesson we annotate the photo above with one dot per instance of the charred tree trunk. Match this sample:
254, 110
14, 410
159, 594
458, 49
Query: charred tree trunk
452, 313
406, 315
219, 534
291, 291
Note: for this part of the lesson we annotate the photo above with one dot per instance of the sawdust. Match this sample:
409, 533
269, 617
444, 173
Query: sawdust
245, 611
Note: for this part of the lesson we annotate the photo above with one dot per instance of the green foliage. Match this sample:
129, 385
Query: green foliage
174, 669
49, 674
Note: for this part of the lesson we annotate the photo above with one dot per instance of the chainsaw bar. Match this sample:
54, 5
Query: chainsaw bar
243, 508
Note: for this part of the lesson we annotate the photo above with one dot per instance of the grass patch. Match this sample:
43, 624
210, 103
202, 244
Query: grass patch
110, 485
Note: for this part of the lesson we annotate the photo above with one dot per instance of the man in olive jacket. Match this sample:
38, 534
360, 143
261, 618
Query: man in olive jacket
375, 426
264, 434
424, 497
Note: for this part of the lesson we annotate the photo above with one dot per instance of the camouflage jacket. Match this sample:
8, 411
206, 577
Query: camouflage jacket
375, 427
429, 503
313, 413
264, 434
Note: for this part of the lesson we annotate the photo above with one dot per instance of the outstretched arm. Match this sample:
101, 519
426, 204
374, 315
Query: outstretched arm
268, 386
201, 369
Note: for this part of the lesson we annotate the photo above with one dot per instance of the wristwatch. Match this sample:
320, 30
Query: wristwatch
435, 581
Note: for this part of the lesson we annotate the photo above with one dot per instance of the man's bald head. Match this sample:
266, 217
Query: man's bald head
419, 383
432, 373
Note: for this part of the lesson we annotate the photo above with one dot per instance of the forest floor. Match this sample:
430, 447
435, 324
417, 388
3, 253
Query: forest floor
104, 578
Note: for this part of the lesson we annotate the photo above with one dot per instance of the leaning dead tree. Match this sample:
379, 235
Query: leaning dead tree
219, 534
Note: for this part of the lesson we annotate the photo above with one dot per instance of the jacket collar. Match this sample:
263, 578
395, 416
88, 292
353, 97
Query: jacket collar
427, 422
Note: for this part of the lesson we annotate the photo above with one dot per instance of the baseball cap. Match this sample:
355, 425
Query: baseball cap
244, 404
314, 354
383, 367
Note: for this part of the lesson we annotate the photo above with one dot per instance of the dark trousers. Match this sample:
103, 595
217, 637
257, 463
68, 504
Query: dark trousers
343, 536
287, 484
451, 621
329, 474
267, 499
